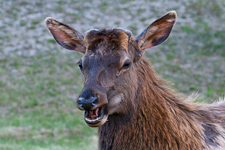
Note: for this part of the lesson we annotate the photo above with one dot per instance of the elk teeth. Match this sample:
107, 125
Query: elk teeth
93, 120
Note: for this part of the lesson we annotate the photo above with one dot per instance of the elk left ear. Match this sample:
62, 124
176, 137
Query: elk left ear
157, 32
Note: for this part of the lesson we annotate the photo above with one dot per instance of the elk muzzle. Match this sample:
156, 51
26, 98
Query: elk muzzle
87, 104
94, 103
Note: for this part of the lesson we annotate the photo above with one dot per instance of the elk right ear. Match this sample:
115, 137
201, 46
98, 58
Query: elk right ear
65, 35
157, 32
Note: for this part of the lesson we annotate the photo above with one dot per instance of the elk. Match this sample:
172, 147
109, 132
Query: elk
130, 104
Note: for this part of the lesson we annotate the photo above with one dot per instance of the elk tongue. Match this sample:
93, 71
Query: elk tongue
94, 113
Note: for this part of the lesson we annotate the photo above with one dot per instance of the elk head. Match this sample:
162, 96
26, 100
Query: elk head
109, 64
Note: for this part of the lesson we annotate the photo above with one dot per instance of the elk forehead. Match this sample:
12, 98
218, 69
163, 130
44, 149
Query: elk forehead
116, 38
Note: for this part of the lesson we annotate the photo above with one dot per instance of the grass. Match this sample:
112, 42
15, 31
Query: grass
39, 82
38, 104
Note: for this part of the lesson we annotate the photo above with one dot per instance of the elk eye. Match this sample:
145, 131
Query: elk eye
126, 64
80, 64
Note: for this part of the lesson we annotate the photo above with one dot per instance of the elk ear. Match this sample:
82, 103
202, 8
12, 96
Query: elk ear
65, 35
157, 32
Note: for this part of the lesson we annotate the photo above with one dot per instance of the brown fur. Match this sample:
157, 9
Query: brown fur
153, 116
116, 37
161, 120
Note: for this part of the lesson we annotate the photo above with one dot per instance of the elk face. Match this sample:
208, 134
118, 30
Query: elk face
105, 61
108, 64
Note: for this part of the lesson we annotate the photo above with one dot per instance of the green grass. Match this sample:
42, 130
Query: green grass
39, 82
38, 104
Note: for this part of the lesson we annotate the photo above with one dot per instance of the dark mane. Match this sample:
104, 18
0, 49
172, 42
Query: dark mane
167, 121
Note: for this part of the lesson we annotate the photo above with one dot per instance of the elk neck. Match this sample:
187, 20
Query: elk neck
160, 120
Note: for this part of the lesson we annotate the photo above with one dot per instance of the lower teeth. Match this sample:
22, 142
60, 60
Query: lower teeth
93, 120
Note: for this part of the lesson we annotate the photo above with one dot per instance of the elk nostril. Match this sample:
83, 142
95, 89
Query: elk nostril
80, 102
94, 101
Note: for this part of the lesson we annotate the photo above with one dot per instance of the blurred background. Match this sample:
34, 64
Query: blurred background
40, 81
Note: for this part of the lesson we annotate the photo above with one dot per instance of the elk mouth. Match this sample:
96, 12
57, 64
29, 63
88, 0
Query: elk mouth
97, 117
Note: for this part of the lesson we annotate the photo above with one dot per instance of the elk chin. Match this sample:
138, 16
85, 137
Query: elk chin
97, 117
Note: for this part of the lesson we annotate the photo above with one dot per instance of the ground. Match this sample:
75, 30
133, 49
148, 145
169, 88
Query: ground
39, 80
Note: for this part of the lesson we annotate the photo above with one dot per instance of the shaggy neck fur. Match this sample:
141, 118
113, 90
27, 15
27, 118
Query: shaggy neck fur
161, 121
